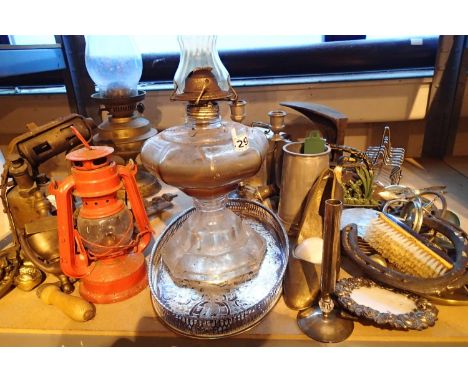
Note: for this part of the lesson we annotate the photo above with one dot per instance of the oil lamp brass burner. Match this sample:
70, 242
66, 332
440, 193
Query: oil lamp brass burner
126, 130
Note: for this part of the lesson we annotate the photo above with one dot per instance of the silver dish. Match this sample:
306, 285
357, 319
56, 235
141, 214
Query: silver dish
385, 306
213, 314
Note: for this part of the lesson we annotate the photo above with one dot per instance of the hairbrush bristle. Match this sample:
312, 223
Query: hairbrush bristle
403, 250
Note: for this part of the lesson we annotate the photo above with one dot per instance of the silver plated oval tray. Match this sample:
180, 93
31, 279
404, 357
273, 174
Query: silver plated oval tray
215, 314
385, 306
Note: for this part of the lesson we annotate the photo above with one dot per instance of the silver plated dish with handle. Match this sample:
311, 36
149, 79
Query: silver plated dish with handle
221, 312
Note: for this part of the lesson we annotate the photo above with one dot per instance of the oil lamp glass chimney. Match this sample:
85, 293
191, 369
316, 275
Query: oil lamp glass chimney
200, 52
115, 65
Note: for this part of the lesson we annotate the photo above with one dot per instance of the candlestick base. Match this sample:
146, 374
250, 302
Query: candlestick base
330, 328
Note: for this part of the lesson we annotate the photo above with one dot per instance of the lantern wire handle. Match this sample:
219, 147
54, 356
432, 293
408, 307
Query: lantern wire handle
80, 137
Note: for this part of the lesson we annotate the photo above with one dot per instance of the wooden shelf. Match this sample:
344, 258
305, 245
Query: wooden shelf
25, 320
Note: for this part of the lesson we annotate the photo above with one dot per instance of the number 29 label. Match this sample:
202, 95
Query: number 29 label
240, 142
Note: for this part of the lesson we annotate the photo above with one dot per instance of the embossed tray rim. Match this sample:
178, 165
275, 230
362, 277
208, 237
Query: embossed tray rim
423, 316
270, 300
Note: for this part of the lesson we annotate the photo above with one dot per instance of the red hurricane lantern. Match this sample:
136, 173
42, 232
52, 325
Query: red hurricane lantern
102, 250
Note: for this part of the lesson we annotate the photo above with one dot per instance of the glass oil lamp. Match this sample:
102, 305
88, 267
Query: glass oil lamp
101, 249
115, 65
206, 158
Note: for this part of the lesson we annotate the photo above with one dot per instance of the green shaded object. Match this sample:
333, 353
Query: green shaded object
314, 143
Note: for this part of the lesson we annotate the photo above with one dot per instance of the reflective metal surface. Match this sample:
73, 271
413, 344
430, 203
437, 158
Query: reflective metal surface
389, 309
322, 323
301, 281
126, 130
442, 288
301, 284
28, 277
277, 138
203, 314
299, 173
9, 266
386, 160
330, 329
30, 213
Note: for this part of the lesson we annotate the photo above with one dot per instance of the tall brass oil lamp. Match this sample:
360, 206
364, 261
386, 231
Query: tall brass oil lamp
115, 65
206, 158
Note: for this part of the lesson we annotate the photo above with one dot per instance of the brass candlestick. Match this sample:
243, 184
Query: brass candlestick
274, 159
322, 323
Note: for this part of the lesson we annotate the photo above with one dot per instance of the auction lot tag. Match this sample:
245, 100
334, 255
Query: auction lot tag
240, 142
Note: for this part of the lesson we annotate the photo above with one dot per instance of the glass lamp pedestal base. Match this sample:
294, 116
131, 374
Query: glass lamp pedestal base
214, 248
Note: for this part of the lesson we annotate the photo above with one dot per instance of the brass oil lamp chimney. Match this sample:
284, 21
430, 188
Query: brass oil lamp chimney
206, 158
115, 65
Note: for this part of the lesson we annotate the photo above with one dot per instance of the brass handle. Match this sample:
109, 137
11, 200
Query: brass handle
74, 307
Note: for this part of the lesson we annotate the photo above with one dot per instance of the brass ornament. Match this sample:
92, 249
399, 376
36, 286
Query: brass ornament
356, 177
238, 112
9, 267
28, 277
277, 138
23, 195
